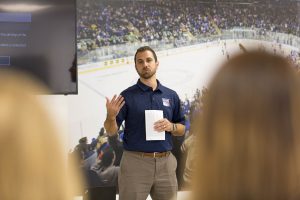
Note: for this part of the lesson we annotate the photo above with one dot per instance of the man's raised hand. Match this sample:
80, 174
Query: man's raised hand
114, 106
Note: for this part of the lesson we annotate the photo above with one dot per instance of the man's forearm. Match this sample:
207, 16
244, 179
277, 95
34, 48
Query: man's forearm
111, 126
180, 129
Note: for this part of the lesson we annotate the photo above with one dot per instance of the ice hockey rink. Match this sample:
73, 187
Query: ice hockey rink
182, 69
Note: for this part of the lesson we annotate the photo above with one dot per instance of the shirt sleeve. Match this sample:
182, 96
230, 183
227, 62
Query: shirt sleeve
178, 116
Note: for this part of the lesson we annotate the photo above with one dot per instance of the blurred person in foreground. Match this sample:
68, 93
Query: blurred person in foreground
33, 165
248, 142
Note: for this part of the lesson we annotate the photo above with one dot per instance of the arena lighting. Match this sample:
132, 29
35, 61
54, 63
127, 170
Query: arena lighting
23, 7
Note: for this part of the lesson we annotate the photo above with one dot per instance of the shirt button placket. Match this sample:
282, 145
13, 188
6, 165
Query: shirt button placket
152, 101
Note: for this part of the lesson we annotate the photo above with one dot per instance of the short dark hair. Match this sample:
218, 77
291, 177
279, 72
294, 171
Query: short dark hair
145, 48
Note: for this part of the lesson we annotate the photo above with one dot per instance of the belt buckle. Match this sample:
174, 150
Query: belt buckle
154, 154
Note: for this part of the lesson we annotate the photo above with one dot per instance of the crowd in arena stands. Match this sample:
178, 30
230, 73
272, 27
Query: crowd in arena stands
99, 160
192, 109
119, 22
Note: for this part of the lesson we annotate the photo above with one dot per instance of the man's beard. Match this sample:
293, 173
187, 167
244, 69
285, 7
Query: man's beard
146, 74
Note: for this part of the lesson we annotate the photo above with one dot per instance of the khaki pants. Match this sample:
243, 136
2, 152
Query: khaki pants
140, 176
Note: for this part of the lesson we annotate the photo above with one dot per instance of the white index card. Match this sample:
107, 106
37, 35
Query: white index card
152, 116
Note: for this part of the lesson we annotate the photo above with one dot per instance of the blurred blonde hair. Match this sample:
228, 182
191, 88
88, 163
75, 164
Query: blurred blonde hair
33, 165
248, 139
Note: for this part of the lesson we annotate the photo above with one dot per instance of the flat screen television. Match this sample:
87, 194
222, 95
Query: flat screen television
39, 37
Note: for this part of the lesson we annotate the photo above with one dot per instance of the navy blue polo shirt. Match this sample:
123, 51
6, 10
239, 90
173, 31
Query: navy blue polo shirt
139, 98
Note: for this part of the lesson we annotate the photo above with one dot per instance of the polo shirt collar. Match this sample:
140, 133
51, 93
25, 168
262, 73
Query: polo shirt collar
144, 87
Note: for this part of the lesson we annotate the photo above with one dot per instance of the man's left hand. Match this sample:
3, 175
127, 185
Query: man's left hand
163, 125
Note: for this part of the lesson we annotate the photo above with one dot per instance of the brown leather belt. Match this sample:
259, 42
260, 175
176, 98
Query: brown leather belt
153, 154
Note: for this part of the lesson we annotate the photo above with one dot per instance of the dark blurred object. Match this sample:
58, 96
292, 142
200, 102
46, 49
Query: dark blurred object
73, 70
101, 132
117, 146
101, 193
82, 140
177, 142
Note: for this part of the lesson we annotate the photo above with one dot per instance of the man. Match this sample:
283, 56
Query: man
147, 166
